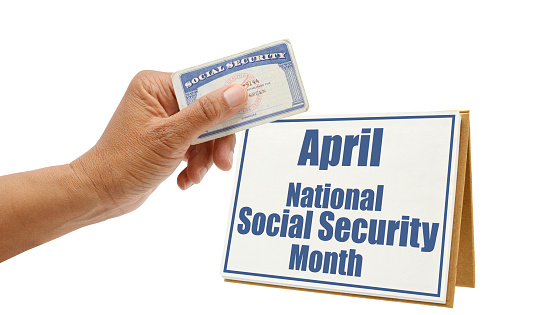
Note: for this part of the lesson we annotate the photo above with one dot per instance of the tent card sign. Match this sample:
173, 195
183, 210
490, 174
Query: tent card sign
359, 205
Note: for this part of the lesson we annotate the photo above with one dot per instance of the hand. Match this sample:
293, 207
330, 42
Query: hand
148, 137
142, 145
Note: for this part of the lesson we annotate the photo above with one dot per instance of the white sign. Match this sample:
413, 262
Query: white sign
352, 204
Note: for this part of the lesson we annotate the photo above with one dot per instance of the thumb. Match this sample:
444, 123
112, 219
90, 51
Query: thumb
209, 110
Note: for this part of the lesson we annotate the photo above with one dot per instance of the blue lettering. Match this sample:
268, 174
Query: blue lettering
299, 258
326, 234
326, 157
310, 148
293, 195
245, 227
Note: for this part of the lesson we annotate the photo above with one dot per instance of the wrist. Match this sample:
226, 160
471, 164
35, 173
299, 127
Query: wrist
95, 202
41, 205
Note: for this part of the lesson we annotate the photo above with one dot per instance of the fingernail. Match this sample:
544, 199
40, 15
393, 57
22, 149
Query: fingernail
235, 95
187, 184
231, 158
202, 173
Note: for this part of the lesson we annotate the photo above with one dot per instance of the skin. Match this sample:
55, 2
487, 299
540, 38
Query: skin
144, 142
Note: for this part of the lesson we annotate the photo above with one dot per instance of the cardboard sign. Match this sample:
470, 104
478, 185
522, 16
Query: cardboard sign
376, 206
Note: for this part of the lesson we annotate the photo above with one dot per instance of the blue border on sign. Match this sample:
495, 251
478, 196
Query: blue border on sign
437, 294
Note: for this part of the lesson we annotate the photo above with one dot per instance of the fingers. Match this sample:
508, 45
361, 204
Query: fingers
200, 160
223, 152
208, 111
202, 156
180, 128
159, 85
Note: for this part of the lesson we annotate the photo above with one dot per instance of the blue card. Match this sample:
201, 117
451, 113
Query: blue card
270, 75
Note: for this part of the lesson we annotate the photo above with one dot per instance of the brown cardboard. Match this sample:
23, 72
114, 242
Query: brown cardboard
462, 253
466, 256
460, 233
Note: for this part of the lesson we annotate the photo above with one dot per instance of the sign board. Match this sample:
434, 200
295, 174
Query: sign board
366, 205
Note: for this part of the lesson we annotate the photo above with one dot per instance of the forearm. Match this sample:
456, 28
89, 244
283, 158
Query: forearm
143, 144
41, 205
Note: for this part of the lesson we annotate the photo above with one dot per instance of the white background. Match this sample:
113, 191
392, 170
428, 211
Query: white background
64, 67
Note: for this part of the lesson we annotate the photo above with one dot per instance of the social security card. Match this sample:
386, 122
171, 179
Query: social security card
268, 72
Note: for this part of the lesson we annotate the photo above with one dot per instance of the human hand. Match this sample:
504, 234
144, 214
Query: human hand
148, 137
